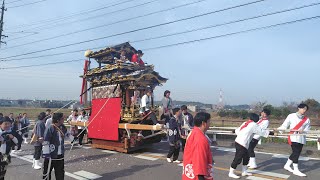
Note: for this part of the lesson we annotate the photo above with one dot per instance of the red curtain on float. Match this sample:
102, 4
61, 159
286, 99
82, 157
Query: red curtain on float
104, 124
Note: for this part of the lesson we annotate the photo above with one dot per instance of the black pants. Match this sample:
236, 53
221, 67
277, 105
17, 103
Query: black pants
75, 138
83, 132
174, 150
37, 152
252, 145
58, 166
183, 143
153, 118
19, 138
3, 169
296, 151
242, 154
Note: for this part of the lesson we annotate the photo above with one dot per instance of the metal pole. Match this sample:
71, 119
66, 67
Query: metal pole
1, 22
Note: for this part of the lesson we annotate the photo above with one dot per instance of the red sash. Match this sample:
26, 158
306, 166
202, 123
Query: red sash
298, 126
259, 122
246, 124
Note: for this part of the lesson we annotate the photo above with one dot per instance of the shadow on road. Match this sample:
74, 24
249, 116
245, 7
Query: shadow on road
127, 172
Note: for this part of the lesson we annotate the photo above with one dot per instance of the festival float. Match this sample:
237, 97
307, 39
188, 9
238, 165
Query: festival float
112, 93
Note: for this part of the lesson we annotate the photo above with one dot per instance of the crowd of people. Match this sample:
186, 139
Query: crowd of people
47, 137
185, 133
188, 133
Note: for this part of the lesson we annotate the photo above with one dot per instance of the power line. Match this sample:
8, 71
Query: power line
56, 24
26, 66
230, 22
56, 20
193, 41
179, 33
14, 1
234, 33
48, 55
27, 4
127, 32
72, 15
109, 24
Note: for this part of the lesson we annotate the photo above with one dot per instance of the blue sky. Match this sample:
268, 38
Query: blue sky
273, 65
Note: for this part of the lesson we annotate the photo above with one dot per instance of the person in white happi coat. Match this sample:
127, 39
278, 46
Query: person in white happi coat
244, 136
145, 106
263, 123
81, 129
298, 123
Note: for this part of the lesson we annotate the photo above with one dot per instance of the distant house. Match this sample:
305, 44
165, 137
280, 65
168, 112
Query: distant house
193, 108
75, 105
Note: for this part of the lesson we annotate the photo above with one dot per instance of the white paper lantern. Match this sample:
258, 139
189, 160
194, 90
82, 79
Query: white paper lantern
87, 53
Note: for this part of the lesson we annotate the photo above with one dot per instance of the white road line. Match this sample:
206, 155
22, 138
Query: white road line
147, 158
155, 154
29, 156
226, 149
110, 152
278, 175
257, 178
87, 174
22, 158
75, 176
66, 173
181, 164
86, 147
286, 157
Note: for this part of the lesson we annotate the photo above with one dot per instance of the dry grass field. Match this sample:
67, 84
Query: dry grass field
31, 112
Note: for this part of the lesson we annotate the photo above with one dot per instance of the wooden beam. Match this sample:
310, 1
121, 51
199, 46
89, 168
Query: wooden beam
127, 126
140, 126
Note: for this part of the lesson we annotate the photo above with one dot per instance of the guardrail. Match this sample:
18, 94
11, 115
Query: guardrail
274, 123
33, 122
215, 133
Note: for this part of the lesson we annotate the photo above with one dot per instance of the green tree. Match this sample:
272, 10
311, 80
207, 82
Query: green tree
276, 113
235, 114
244, 114
269, 106
285, 112
223, 113
257, 107
312, 103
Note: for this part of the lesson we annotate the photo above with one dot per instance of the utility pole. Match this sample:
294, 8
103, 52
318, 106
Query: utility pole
1, 23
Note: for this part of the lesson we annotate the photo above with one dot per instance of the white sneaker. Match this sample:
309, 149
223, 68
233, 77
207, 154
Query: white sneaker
37, 164
297, 172
169, 160
232, 175
287, 166
245, 171
252, 163
246, 174
176, 161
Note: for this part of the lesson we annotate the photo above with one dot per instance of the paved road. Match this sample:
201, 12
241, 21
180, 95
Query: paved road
87, 163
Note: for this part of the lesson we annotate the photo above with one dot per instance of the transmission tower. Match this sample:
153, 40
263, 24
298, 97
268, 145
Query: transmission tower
220, 103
